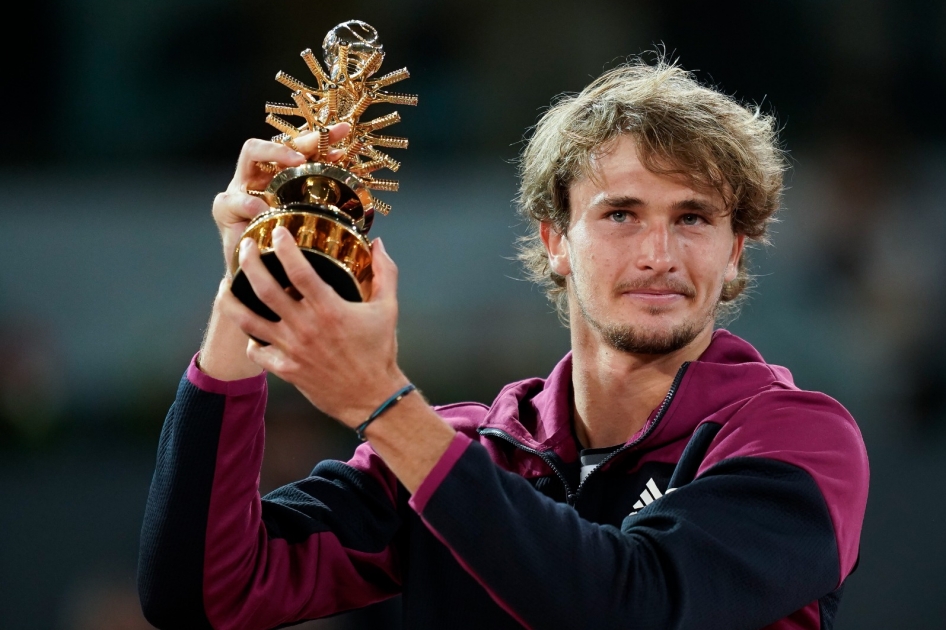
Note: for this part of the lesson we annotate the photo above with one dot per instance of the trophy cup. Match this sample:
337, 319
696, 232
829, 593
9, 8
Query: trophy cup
328, 207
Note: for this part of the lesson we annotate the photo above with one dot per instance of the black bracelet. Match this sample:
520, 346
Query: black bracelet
387, 404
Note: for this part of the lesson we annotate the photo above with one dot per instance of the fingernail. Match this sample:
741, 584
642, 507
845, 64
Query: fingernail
244, 249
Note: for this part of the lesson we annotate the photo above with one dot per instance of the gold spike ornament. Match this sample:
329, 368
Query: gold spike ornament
328, 205
353, 54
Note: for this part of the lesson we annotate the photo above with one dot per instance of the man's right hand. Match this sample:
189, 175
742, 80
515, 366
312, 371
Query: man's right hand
223, 353
234, 208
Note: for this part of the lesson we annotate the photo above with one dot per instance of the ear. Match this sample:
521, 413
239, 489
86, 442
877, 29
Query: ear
732, 269
556, 245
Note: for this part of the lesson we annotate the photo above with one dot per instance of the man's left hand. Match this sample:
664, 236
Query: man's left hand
341, 355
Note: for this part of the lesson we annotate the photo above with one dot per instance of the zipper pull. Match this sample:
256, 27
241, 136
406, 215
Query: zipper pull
570, 498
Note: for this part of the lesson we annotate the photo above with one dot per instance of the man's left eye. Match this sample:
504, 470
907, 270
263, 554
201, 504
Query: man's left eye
691, 219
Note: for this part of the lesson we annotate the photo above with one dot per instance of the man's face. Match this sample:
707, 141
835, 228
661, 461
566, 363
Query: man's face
645, 255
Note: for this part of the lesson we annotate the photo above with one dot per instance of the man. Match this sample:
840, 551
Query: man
663, 476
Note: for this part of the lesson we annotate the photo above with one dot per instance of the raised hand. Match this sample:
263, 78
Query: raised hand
341, 355
234, 208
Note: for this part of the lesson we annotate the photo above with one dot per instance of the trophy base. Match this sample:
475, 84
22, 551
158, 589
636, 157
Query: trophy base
337, 252
330, 271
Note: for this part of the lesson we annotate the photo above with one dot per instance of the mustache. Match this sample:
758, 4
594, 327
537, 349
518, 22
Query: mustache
667, 283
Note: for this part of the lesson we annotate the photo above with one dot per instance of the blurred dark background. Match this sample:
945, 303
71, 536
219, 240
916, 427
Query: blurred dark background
123, 119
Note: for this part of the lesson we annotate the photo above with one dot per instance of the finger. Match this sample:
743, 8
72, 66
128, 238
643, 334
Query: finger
246, 320
334, 155
256, 150
264, 284
272, 359
301, 274
232, 206
384, 281
308, 143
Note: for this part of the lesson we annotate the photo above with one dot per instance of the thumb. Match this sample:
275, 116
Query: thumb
384, 282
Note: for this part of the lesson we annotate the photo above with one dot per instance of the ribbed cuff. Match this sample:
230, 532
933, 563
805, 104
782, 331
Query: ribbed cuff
439, 472
212, 385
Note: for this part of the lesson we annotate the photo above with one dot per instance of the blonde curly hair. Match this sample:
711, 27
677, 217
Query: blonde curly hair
682, 128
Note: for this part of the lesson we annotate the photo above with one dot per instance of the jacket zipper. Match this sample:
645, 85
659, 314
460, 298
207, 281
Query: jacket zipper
660, 414
571, 497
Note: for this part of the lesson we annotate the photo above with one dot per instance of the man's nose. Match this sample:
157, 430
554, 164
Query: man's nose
656, 252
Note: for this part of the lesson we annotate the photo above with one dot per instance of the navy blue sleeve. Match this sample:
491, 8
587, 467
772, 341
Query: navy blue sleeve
747, 543
214, 554
171, 552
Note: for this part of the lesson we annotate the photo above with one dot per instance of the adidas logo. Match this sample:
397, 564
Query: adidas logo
650, 494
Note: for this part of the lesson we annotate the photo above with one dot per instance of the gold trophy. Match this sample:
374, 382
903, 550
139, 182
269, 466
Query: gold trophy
328, 207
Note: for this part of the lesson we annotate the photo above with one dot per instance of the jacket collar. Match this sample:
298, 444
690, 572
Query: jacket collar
538, 412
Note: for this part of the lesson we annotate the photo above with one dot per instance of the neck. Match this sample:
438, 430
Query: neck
615, 392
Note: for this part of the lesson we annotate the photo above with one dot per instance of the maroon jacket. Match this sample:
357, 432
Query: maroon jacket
738, 505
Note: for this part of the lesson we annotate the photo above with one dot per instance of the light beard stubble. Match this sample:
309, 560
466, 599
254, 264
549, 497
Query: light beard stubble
636, 340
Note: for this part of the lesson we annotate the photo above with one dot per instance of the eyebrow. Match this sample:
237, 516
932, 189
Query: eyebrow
622, 201
697, 205
626, 201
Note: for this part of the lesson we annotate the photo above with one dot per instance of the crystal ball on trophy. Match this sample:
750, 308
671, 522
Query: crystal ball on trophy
328, 207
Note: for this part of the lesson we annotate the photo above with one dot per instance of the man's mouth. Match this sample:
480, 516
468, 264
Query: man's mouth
659, 293
656, 292
655, 296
